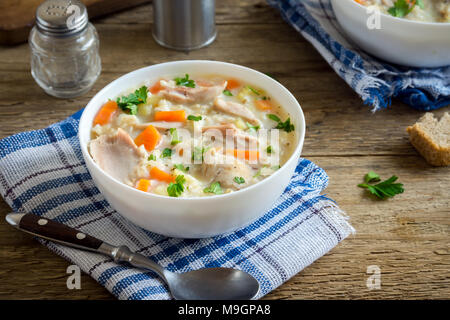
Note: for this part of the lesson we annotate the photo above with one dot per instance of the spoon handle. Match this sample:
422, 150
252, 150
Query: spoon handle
65, 235
54, 231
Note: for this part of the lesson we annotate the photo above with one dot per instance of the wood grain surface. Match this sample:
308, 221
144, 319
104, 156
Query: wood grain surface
408, 236
17, 16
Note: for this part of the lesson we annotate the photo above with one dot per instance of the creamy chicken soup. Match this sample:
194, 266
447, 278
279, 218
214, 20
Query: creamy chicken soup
192, 137
417, 10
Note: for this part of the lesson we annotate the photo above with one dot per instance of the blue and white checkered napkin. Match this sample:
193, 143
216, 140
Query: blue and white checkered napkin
43, 172
376, 81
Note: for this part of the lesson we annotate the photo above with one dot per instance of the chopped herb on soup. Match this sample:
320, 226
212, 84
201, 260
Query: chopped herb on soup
157, 143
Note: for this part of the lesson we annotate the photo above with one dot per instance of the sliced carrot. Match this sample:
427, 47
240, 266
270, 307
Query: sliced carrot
251, 155
106, 112
157, 87
232, 84
172, 116
263, 105
149, 138
143, 185
160, 175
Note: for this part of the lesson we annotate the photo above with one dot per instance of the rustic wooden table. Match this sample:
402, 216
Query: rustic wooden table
408, 237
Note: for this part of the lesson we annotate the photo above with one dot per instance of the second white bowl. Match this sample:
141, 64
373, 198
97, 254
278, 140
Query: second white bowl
400, 41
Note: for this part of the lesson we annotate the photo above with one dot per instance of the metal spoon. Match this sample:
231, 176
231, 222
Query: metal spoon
203, 284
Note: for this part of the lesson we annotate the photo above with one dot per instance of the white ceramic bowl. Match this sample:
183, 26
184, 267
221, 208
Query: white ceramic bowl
400, 41
200, 216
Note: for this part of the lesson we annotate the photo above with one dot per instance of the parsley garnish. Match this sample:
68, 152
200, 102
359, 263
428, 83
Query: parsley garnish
214, 188
273, 117
185, 82
252, 127
152, 157
239, 180
194, 118
286, 126
181, 167
175, 138
382, 190
166, 153
269, 149
371, 177
197, 154
130, 103
227, 93
402, 8
177, 188
253, 90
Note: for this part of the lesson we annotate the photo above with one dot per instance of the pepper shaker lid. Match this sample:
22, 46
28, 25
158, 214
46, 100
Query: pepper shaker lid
61, 17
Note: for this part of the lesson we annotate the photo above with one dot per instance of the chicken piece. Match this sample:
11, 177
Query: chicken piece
216, 168
117, 155
237, 135
199, 94
235, 109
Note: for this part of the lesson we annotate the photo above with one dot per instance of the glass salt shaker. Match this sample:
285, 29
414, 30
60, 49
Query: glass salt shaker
65, 59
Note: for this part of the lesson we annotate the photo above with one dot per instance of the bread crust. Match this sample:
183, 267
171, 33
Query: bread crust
433, 153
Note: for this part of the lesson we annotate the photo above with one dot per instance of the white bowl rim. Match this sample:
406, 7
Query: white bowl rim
406, 21
301, 134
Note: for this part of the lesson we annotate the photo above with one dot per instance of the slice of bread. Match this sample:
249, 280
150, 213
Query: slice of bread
431, 137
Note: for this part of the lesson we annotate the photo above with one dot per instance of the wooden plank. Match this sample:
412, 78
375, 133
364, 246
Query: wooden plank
407, 237
17, 17
227, 12
330, 105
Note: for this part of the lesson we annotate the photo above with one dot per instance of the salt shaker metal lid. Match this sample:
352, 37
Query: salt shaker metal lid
61, 17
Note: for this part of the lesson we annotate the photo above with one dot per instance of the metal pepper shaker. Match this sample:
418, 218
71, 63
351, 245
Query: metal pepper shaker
65, 59
184, 24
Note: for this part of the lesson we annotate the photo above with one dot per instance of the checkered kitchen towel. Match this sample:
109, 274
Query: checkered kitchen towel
43, 172
376, 81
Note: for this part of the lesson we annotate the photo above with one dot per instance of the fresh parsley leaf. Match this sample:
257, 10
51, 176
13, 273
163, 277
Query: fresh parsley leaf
252, 127
239, 180
197, 154
175, 139
371, 177
152, 157
273, 117
185, 82
385, 189
130, 103
181, 167
177, 188
166, 153
194, 118
269, 149
286, 126
402, 7
254, 90
227, 93
214, 188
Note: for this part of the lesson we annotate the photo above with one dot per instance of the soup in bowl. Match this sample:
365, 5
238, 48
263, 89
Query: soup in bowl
192, 148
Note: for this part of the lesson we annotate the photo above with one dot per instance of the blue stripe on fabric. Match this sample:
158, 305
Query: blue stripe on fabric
61, 199
220, 242
423, 89
265, 288
52, 184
